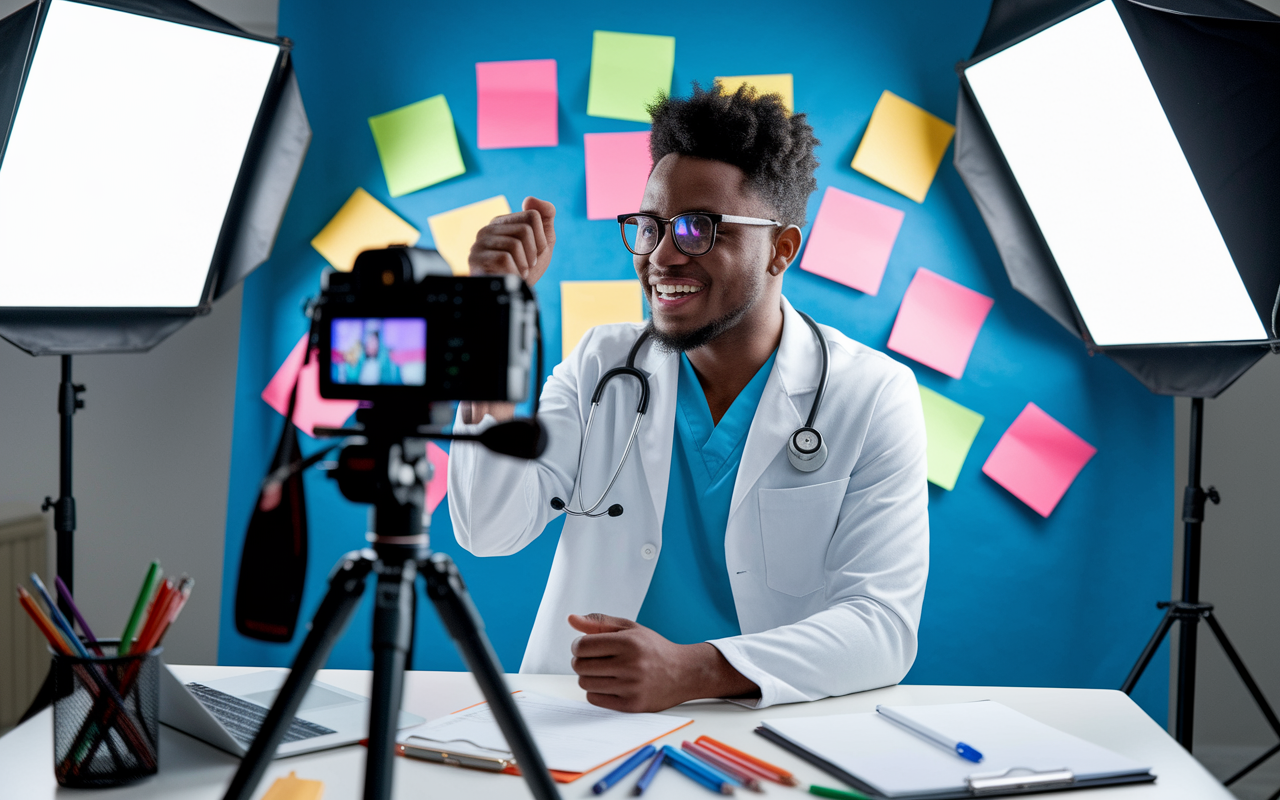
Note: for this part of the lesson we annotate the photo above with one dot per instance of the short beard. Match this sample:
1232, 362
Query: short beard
692, 340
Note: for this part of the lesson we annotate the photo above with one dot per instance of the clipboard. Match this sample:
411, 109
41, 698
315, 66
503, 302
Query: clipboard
1094, 766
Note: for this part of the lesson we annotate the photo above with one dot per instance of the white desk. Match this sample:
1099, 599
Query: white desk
191, 770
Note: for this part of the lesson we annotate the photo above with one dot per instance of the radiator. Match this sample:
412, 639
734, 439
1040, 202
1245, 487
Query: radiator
24, 655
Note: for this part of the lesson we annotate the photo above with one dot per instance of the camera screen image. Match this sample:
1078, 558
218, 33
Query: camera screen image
379, 351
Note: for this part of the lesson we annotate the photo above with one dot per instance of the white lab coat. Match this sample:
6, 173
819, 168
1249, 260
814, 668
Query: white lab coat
827, 568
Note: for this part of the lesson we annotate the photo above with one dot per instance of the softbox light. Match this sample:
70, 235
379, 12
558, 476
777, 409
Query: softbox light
1126, 159
149, 151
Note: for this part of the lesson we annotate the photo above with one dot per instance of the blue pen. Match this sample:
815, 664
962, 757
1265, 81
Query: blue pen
58, 619
697, 771
961, 749
650, 773
624, 770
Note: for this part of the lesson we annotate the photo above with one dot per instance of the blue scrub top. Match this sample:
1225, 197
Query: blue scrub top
690, 599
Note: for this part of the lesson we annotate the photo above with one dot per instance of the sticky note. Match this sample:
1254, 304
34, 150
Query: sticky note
951, 429
938, 322
439, 461
618, 166
903, 146
292, 787
311, 409
586, 304
517, 104
628, 72
764, 84
361, 224
851, 240
455, 231
1037, 459
418, 145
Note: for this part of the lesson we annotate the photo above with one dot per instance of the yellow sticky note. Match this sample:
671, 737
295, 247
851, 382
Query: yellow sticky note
361, 224
903, 146
455, 231
586, 304
294, 788
764, 84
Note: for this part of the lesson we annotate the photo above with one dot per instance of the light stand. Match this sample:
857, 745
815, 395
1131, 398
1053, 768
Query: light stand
64, 508
390, 471
1189, 611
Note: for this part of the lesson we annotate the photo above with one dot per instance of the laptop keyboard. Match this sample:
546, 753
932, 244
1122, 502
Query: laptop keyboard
242, 719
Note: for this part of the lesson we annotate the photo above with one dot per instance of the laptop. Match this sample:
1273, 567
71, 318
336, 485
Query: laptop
228, 712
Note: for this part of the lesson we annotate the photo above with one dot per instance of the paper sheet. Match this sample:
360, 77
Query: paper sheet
950, 429
361, 224
618, 167
418, 145
938, 322
586, 304
311, 409
903, 146
851, 240
1037, 459
764, 84
455, 231
572, 736
628, 70
517, 104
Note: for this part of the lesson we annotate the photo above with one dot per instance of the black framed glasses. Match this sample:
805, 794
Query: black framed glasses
694, 234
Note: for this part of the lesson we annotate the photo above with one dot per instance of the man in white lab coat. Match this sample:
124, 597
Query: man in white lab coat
730, 572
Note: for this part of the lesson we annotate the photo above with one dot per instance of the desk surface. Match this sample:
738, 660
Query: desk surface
192, 770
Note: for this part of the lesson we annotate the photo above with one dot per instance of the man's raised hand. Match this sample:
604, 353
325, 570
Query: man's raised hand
519, 243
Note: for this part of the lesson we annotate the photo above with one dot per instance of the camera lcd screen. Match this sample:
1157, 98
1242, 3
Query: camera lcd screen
379, 351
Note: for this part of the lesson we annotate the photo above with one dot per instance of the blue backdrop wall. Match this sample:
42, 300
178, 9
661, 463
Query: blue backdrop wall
1013, 599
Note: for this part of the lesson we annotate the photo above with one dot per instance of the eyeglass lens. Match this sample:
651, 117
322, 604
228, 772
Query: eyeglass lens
693, 233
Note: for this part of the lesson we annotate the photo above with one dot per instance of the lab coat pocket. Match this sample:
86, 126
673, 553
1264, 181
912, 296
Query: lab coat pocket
796, 526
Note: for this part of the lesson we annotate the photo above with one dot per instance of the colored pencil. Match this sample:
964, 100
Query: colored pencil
682, 764
723, 764
139, 607
65, 594
649, 774
55, 615
623, 770
838, 794
56, 640
749, 762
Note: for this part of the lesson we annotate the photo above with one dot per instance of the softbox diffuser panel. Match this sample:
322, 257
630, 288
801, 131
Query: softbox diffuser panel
1101, 169
123, 157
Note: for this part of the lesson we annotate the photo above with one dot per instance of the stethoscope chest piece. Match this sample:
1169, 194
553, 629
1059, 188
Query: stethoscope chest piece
805, 450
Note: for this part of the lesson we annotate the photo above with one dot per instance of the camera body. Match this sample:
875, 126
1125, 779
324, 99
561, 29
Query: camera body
401, 329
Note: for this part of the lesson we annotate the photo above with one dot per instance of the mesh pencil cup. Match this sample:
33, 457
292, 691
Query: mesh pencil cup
106, 717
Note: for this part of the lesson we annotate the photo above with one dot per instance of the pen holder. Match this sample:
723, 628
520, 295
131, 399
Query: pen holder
106, 717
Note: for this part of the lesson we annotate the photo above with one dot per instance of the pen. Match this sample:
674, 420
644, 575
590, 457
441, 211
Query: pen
56, 617
637, 758
65, 594
650, 773
144, 596
723, 764
710, 777
748, 762
959, 748
838, 794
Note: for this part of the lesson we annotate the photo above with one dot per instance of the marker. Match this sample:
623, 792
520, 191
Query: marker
65, 594
961, 749
144, 596
637, 758
748, 762
649, 774
710, 777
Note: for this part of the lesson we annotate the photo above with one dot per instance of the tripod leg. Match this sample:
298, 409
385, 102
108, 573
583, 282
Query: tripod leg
1148, 652
346, 585
449, 595
392, 636
1184, 720
1254, 691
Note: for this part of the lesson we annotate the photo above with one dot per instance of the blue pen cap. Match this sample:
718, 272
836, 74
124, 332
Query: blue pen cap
967, 752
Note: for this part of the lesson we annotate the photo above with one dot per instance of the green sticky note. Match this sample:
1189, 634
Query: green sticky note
418, 145
951, 429
628, 71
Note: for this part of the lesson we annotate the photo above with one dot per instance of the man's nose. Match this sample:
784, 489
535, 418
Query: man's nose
666, 253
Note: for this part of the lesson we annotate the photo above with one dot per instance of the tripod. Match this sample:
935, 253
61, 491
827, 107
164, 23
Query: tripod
390, 472
1189, 611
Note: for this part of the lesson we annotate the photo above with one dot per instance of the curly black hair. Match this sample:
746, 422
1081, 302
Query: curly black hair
753, 132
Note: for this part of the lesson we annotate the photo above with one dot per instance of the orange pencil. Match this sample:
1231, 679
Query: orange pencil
156, 616
762, 768
56, 639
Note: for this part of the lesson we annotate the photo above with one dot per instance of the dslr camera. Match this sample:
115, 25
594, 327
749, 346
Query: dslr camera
400, 329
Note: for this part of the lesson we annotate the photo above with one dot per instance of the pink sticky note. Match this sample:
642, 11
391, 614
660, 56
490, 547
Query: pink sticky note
1037, 459
851, 240
938, 322
311, 410
618, 167
439, 477
516, 104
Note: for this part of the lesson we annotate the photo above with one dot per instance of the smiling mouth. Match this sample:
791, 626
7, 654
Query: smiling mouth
672, 291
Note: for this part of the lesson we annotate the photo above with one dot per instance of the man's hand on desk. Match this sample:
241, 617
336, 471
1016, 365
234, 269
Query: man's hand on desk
625, 666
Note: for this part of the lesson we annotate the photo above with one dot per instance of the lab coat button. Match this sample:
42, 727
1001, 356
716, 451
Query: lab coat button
648, 552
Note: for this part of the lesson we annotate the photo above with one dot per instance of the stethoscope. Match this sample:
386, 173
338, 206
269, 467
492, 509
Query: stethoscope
805, 449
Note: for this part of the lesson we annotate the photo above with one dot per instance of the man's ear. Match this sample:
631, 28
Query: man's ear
785, 248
